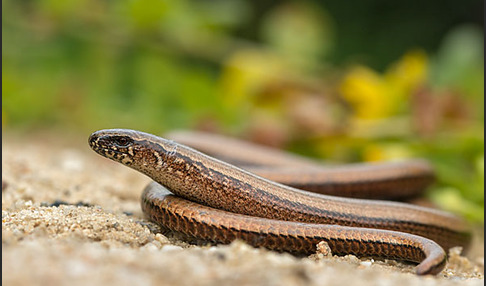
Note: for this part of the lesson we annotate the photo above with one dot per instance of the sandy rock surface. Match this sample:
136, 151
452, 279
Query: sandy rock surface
71, 217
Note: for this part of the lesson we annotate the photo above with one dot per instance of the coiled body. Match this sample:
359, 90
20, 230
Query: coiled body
226, 202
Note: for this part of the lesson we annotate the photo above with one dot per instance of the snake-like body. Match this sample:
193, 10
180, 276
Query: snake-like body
214, 200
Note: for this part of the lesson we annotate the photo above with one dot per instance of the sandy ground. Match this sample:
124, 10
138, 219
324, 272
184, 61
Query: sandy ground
71, 217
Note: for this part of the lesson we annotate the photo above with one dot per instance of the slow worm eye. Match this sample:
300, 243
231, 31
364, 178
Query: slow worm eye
122, 141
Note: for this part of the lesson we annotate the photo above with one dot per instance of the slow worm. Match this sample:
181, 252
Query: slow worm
220, 202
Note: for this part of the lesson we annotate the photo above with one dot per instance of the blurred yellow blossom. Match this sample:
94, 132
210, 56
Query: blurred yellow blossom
246, 72
410, 72
365, 90
386, 152
375, 96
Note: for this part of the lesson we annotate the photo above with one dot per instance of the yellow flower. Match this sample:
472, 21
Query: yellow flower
386, 152
365, 91
410, 72
245, 73
375, 96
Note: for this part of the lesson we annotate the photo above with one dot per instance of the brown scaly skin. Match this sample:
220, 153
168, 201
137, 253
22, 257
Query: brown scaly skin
214, 225
389, 180
216, 184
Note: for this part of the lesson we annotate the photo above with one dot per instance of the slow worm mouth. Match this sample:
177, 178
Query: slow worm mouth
93, 140
96, 143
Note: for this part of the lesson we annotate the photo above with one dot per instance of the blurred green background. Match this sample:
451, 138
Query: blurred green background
371, 81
